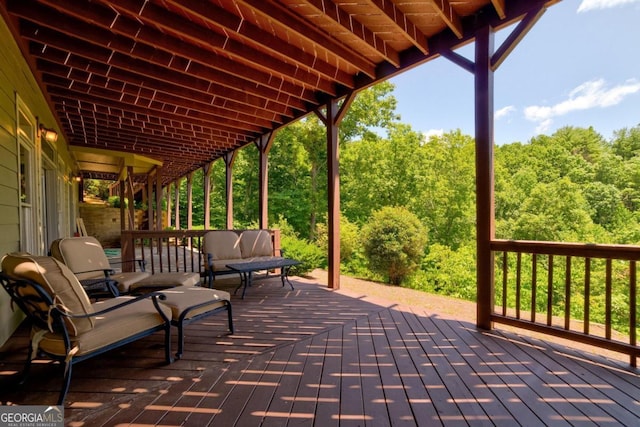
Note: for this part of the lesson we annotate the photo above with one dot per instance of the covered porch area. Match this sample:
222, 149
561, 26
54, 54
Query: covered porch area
354, 356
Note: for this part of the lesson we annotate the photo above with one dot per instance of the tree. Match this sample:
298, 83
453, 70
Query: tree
394, 241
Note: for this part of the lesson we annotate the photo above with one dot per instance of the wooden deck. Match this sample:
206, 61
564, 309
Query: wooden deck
317, 357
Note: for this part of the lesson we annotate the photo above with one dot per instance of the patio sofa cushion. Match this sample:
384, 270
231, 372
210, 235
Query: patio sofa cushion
110, 327
256, 243
56, 279
222, 245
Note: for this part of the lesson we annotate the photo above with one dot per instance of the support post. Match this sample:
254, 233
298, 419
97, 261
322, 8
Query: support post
484, 176
176, 205
334, 114
169, 202
150, 202
158, 199
207, 169
264, 144
132, 212
190, 201
229, 158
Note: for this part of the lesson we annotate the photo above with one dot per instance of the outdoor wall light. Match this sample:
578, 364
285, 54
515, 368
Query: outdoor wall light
49, 135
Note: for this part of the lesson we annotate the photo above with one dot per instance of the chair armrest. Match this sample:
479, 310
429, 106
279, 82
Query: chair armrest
155, 297
107, 271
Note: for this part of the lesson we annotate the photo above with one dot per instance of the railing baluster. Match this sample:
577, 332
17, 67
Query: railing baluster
607, 300
504, 282
534, 285
567, 294
550, 292
587, 295
632, 309
518, 287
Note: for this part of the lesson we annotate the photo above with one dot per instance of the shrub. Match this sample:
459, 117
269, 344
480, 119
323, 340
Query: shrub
394, 241
310, 256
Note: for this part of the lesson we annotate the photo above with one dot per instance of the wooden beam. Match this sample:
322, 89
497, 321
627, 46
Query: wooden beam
485, 204
227, 22
446, 12
152, 42
333, 12
291, 23
403, 23
516, 36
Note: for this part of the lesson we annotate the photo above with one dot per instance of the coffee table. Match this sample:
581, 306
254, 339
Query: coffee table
247, 268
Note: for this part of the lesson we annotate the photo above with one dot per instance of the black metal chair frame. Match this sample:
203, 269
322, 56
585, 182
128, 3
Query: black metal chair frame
30, 297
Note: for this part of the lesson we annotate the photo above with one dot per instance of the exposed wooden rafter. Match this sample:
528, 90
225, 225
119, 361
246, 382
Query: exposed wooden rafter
188, 81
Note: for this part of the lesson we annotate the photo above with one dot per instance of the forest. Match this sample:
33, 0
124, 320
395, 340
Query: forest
571, 186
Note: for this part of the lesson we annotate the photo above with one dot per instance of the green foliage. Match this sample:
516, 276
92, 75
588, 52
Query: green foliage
448, 272
97, 188
394, 241
310, 255
114, 201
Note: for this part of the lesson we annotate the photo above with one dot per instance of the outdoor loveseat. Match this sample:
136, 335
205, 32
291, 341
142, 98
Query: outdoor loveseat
223, 247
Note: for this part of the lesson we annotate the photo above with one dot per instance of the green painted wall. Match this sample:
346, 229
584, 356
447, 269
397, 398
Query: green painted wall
16, 78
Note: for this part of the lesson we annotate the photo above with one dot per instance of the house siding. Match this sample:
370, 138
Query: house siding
16, 80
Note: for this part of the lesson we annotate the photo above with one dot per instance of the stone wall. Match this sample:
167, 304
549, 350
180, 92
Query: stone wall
103, 223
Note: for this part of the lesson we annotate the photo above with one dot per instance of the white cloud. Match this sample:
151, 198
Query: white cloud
433, 132
588, 5
591, 94
504, 112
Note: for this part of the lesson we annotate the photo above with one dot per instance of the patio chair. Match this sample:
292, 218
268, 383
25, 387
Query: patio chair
86, 258
65, 325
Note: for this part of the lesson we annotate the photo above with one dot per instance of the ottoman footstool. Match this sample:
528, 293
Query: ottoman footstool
163, 281
192, 303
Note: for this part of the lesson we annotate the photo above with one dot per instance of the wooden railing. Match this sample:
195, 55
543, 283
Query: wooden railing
582, 292
171, 250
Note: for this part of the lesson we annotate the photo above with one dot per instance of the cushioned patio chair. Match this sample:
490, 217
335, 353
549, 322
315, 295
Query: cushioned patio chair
65, 325
86, 258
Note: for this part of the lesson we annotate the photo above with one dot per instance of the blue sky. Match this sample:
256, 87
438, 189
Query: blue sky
578, 66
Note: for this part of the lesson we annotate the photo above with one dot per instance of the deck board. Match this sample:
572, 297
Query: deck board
315, 357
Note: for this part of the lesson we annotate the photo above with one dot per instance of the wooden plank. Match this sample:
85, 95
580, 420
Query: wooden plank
306, 397
375, 404
328, 407
390, 371
498, 399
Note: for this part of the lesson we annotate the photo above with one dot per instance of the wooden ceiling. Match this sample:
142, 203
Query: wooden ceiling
186, 81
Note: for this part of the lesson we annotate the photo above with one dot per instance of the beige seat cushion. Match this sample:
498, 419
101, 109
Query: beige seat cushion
222, 244
181, 299
255, 243
221, 265
58, 281
166, 280
110, 327
129, 279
